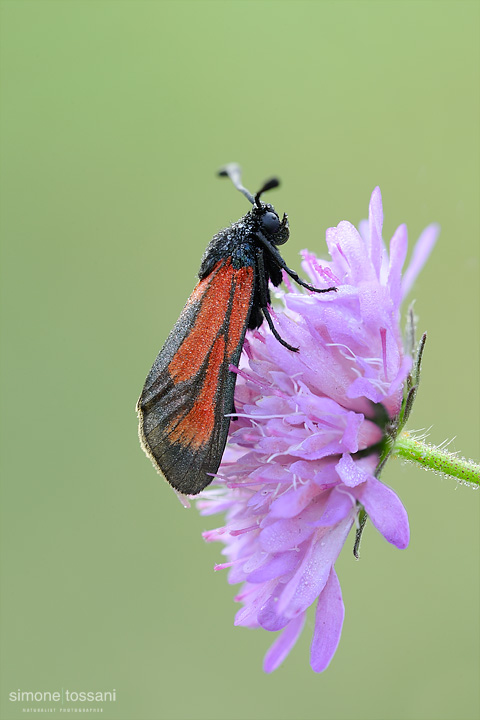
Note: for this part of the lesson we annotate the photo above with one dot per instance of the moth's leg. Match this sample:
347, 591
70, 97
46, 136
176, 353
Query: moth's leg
263, 292
281, 262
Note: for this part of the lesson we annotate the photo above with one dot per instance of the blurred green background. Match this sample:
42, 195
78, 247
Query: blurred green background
115, 116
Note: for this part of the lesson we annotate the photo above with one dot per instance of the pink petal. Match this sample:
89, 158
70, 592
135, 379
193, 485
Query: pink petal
352, 428
328, 624
309, 580
293, 502
350, 471
375, 224
268, 616
315, 448
421, 252
352, 248
276, 567
362, 387
398, 252
254, 597
385, 511
340, 503
375, 303
285, 534
283, 644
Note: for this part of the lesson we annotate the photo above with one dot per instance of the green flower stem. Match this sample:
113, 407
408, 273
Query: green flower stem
433, 458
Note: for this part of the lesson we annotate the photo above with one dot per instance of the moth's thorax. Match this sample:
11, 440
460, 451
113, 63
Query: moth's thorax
240, 240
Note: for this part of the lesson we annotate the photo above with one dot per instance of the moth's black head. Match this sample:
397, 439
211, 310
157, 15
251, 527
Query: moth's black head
266, 220
269, 224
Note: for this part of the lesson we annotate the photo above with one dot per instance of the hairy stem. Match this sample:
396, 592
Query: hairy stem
433, 458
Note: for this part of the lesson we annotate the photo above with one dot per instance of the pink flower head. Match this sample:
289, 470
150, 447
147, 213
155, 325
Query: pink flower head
303, 452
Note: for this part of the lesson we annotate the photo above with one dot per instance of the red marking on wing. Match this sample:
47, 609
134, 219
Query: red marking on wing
197, 426
216, 334
240, 307
213, 295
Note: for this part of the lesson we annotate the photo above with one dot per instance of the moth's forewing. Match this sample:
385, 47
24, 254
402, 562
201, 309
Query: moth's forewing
189, 390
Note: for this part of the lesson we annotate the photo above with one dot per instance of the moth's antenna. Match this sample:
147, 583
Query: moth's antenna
232, 170
269, 185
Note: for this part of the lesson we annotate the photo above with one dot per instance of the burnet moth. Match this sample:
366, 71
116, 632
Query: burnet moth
187, 404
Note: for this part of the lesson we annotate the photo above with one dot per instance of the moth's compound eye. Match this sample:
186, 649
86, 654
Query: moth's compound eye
270, 222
